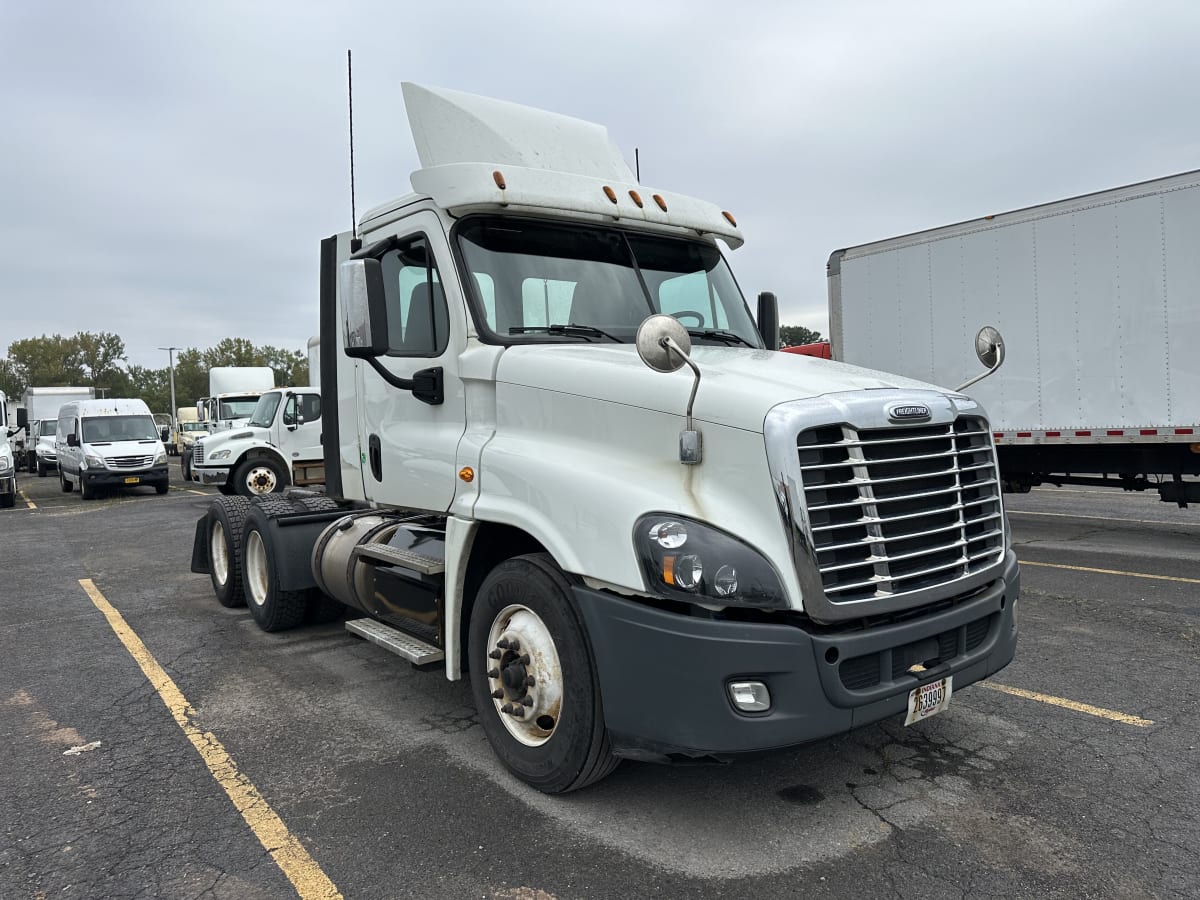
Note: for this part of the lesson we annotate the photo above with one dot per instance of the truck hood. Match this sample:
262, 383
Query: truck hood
214, 442
738, 385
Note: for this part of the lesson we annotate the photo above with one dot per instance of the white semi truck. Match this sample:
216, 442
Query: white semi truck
1097, 296
562, 461
233, 393
280, 446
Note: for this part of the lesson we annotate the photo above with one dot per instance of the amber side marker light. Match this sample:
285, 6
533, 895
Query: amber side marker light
610, 193
636, 198
730, 219
662, 204
499, 179
467, 474
1195, 448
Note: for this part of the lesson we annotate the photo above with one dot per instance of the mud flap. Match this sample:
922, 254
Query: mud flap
200, 547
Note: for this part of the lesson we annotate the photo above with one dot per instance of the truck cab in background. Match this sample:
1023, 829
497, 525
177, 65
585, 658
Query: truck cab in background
279, 446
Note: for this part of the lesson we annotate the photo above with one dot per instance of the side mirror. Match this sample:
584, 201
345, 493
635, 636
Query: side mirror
664, 345
72, 440
364, 309
989, 347
768, 319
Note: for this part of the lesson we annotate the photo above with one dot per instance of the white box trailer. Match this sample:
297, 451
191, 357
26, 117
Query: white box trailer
1096, 297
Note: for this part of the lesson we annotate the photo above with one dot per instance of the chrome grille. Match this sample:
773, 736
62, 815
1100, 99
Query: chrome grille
198, 454
128, 462
900, 509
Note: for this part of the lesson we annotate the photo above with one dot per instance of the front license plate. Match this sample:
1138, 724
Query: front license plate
132, 479
928, 700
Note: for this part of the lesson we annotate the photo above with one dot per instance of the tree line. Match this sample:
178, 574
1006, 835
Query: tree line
99, 361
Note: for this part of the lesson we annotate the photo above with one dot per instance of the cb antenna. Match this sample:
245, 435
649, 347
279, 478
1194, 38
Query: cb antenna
356, 242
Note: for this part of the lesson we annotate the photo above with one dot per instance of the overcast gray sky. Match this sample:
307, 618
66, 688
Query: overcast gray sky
169, 169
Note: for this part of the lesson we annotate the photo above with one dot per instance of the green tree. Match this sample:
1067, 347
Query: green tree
232, 352
793, 335
46, 362
291, 366
191, 377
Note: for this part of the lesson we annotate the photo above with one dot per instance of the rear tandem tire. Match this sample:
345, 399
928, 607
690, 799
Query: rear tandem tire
273, 609
226, 521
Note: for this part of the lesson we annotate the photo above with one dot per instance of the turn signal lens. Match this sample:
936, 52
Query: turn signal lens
467, 474
610, 193
730, 219
636, 198
662, 204
499, 179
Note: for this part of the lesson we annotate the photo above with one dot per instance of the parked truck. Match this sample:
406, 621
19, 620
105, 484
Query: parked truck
280, 446
1097, 297
41, 413
8, 464
233, 392
562, 461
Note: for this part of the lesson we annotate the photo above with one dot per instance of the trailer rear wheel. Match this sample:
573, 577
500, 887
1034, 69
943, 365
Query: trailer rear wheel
273, 609
226, 521
533, 678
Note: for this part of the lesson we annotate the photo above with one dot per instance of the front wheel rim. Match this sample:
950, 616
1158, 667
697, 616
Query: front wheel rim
261, 480
524, 675
257, 578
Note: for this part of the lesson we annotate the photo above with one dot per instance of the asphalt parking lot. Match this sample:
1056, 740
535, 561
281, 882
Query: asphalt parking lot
311, 763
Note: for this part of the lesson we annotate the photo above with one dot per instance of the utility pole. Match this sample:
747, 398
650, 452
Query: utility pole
171, 357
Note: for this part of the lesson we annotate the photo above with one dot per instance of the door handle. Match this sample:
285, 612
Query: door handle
375, 450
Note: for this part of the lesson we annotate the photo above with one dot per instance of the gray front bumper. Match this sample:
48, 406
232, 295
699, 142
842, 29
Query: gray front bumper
210, 474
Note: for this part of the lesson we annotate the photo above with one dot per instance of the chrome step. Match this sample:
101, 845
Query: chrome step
426, 565
404, 645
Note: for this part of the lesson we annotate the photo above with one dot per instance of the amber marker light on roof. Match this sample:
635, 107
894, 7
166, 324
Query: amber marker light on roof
662, 204
610, 193
467, 474
636, 198
499, 179
730, 219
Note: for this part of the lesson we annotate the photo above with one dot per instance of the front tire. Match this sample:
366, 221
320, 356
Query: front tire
226, 521
533, 678
86, 491
63, 482
273, 609
41, 469
259, 476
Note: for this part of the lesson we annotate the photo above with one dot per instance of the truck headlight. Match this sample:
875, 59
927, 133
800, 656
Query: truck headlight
92, 461
161, 458
687, 560
220, 454
6, 462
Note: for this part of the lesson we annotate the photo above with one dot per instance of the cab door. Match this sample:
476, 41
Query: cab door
299, 427
409, 444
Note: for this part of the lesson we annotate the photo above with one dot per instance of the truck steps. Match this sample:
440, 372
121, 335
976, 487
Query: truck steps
396, 556
415, 650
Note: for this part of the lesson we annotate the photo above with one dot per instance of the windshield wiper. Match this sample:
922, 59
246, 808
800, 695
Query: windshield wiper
584, 331
717, 334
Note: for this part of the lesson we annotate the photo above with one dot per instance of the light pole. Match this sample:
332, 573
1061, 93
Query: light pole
171, 357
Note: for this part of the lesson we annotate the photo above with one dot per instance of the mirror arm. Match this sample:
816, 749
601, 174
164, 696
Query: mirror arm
669, 343
979, 377
426, 385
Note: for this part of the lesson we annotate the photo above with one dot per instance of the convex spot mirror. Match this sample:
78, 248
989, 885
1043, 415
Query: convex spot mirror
364, 309
654, 338
989, 347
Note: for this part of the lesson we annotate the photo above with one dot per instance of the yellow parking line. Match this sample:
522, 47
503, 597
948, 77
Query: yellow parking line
28, 502
1047, 565
201, 493
1068, 704
289, 854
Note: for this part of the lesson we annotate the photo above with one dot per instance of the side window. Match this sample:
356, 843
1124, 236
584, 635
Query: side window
310, 407
418, 318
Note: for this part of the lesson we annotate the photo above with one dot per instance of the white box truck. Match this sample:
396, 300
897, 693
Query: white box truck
41, 410
1097, 299
563, 462
233, 392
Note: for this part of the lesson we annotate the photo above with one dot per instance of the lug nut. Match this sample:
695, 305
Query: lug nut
493, 673
495, 654
518, 712
514, 645
529, 681
525, 660
496, 695
502, 643
526, 701
506, 708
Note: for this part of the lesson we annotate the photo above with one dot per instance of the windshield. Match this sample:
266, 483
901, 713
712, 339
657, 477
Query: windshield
47, 427
236, 409
192, 426
98, 429
264, 412
530, 276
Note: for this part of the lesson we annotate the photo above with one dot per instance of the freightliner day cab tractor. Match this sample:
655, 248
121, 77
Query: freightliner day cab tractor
562, 462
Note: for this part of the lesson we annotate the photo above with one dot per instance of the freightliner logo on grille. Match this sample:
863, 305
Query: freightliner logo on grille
906, 412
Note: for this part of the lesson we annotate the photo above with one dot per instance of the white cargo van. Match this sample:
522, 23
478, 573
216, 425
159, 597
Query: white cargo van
109, 443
